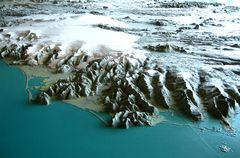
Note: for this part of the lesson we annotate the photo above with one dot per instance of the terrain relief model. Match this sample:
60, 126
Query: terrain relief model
131, 59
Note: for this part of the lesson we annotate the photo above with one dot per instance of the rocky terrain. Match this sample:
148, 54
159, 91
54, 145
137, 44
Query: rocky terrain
185, 57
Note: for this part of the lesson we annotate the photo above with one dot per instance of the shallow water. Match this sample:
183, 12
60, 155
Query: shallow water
62, 130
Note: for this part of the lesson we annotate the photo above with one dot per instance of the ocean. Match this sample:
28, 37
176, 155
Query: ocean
63, 131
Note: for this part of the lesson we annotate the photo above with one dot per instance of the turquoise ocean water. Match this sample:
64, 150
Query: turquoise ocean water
64, 131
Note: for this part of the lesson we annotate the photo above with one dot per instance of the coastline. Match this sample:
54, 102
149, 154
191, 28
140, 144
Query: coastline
63, 131
131, 74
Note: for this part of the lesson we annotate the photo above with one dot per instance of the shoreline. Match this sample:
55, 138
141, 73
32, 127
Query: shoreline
133, 76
